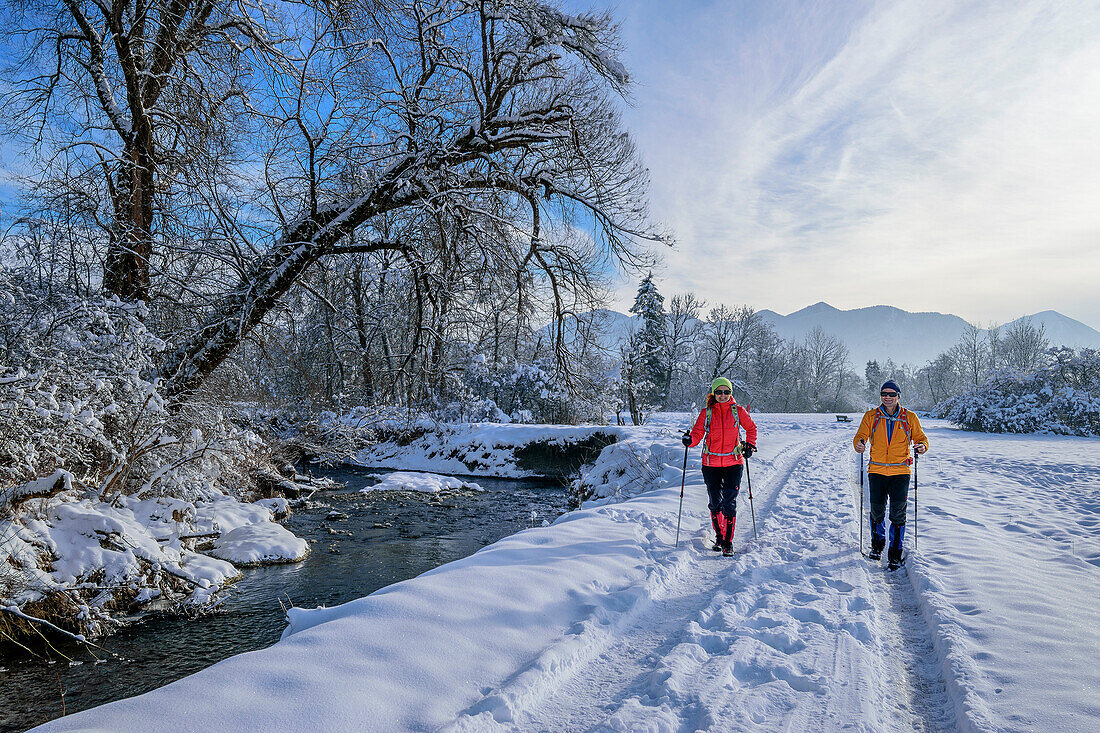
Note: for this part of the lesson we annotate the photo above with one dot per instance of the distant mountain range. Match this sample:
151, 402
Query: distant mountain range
879, 332
882, 331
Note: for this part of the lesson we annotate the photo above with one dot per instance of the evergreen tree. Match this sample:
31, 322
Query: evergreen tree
875, 376
649, 304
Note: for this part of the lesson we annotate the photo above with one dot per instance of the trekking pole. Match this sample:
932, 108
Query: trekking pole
683, 478
748, 479
861, 503
916, 457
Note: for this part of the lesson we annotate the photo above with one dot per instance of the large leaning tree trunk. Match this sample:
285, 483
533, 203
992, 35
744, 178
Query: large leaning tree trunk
499, 114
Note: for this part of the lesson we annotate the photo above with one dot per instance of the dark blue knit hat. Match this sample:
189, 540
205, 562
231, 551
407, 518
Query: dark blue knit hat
891, 384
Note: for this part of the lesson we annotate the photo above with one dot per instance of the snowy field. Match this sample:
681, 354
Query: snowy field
598, 622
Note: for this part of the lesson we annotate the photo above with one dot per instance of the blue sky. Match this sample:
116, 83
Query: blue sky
935, 156
931, 155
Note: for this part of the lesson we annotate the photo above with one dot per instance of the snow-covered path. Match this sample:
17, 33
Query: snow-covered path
599, 623
760, 639
623, 663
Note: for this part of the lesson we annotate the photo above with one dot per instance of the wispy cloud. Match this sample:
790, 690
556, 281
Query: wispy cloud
930, 155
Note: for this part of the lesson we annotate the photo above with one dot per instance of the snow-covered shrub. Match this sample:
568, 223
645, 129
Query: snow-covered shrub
97, 471
474, 410
623, 470
528, 392
1063, 398
74, 397
522, 416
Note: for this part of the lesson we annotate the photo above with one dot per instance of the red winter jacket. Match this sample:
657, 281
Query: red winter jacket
723, 438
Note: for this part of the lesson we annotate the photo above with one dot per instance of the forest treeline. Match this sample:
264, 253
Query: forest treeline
674, 352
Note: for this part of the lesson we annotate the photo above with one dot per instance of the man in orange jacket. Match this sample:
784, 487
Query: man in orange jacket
889, 428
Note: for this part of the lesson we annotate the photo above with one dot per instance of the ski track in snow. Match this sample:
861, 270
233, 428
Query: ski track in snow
757, 640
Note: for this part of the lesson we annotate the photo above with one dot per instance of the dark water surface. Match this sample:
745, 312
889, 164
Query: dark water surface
393, 537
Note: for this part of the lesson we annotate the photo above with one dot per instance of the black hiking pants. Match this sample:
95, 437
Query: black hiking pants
894, 487
723, 483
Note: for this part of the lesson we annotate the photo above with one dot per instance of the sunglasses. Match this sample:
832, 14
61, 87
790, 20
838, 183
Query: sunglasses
722, 391
888, 394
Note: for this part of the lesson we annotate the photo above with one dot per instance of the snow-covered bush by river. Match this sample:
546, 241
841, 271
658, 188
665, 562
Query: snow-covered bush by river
489, 449
104, 486
641, 459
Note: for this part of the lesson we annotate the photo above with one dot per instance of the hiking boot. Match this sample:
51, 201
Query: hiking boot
717, 521
727, 538
897, 534
878, 540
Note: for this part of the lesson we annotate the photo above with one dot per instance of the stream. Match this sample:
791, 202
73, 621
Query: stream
377, 539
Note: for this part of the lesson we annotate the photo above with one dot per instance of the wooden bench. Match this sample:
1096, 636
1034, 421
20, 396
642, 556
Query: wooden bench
843, 418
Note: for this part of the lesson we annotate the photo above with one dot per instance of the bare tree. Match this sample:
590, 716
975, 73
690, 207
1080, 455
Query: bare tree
1025, 346
971, 355
137, 90
995, 356
827, 361
520, 127
730, 332
941, 376
680, 337
467, 141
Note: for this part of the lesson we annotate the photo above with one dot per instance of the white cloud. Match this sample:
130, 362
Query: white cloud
930, 155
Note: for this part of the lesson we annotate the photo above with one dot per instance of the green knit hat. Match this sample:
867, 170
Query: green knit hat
721, 382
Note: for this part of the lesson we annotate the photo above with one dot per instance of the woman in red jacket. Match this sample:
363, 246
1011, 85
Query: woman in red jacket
719, 428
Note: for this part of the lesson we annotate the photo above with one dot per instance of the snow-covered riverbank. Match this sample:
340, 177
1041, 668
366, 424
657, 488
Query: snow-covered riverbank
173, 554
599, 621
113, 557
491, 449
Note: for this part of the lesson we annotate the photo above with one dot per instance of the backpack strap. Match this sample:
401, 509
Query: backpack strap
903, 418
736, 431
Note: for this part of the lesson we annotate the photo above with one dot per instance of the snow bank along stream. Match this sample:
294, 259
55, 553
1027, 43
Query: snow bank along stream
360, 542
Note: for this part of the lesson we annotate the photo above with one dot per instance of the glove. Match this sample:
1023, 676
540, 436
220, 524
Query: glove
747, 449
686, 440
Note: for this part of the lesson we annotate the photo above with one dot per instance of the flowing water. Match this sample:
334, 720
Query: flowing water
373, 540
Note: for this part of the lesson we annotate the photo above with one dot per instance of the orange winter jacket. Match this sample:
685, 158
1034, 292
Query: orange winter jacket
724, 437
889, 437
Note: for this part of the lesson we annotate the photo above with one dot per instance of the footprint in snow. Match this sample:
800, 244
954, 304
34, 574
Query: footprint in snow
858, 630
859, 603
763, 621
810, 616
840, 585
781, 641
